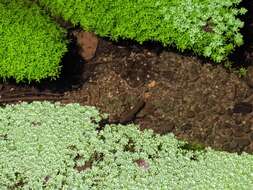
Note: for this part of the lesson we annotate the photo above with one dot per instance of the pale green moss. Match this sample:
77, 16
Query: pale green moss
42, 144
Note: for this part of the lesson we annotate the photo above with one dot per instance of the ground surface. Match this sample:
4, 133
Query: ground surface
158, 89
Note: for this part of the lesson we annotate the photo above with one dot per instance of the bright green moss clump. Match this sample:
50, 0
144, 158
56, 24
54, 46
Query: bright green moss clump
49, 146
31, 44
207, 27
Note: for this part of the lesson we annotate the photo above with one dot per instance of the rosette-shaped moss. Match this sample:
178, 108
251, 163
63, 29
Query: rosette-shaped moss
53, 146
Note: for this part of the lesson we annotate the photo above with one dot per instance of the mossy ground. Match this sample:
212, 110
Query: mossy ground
32, 44
53, 146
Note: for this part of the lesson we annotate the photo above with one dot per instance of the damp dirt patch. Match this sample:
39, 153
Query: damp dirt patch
160, 90
157, 88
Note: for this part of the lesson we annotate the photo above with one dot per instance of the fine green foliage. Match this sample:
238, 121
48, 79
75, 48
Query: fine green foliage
44, 144
31, 44
207, 27
242, 72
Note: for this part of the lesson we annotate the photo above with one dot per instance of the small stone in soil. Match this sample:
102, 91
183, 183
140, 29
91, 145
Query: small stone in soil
243, 142
242, 107
249, 76
142, 164
88, 43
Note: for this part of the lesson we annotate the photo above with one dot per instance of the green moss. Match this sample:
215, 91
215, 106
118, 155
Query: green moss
31, 44
207, 27
51, 146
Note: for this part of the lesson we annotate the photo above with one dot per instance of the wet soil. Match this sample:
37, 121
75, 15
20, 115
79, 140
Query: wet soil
157, 88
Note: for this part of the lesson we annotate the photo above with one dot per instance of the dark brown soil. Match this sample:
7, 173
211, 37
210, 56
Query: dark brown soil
158, 89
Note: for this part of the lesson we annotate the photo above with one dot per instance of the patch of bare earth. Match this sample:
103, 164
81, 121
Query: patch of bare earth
198, 102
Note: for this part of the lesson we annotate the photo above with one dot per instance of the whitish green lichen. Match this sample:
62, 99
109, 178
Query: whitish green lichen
49, 146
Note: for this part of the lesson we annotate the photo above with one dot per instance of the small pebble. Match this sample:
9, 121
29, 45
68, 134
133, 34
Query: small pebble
249, 76
242, 107
142, 164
